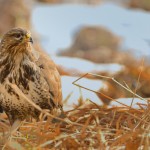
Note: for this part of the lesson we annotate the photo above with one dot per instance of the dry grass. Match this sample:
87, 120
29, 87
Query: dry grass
88, 126
96, 127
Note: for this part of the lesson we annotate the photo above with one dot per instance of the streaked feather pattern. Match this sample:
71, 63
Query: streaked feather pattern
25, 76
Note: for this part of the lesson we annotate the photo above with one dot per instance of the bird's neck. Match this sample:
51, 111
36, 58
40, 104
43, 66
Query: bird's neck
16, 55
11, 62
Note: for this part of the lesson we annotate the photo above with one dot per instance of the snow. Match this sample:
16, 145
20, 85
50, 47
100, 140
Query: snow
128, 102
75, 65
58, 23
68, 88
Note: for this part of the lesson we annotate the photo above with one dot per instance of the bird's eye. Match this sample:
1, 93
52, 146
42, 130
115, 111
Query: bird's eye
18, 36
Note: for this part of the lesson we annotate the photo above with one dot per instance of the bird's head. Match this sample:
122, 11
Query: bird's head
16, 39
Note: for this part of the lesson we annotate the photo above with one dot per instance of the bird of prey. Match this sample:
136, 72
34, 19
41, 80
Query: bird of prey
26, 75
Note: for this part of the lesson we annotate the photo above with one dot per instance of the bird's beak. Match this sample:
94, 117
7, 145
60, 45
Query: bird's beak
29, 38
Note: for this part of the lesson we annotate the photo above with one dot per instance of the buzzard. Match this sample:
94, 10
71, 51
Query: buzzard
26, 74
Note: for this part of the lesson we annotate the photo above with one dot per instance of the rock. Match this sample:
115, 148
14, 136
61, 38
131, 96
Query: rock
98, 45
89, 38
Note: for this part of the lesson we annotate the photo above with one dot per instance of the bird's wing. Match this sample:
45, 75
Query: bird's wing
23, 96
51, 75
1, 109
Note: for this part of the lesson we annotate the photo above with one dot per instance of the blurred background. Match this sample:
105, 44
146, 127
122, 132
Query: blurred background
109, 37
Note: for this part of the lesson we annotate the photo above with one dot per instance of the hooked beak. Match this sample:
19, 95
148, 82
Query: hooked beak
29, 38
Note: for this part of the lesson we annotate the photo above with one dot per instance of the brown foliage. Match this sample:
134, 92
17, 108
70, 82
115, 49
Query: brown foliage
95, 127
131, 79
144, 4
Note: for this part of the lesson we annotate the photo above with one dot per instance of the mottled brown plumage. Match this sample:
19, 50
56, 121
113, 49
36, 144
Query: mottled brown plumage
25, 73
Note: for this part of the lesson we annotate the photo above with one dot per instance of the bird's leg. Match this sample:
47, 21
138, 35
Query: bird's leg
15, 125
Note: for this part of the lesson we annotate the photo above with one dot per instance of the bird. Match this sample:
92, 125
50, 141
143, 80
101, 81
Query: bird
26, 75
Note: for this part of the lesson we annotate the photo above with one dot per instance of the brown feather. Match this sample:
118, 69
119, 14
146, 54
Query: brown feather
25, 77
